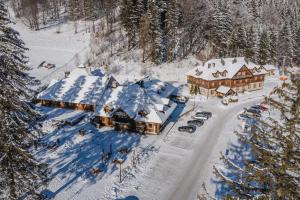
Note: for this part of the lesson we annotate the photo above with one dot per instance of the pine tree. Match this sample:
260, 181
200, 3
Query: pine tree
285, 47
271, 167
221, 28
251, 44
263, 49
238, 41
144, 35
297, 48
172, 21
156, 32
273, 47
128, 23
20, 173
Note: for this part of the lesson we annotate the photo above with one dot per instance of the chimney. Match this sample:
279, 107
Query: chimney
214, 64
209, 65
234, 60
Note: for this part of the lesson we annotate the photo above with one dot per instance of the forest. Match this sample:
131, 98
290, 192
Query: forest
165, 30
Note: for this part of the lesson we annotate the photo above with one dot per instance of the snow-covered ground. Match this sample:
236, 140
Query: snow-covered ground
172, 165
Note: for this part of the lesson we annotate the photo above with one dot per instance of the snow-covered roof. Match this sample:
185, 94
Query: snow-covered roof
225, 68
79, 87
164, 89
269, 67
257, 70
134, 100
223, 89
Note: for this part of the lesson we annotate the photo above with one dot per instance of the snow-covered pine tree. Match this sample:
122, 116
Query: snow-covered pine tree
20, 173
297, 48
131, 13
238, 41
285, 46
155, 31
144, 35
127, 22
263, 49
272, 168
221, 28
251, 44
273, 47
172, 20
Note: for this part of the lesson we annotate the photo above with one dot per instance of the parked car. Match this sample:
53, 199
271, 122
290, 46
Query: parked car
189, 129
253, 112
244, 117
225, 101
48, 65
180, 99
260, 107
196, 122
209, 114
200, 116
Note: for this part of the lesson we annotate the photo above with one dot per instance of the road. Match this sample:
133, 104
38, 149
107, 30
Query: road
190, 182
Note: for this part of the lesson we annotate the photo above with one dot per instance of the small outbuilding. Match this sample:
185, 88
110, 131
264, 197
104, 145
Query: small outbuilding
223, 91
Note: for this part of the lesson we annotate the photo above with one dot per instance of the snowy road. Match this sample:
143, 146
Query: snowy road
191, 179
185, 160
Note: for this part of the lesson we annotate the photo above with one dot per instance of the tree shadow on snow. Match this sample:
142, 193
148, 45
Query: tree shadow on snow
237, 154
76, 155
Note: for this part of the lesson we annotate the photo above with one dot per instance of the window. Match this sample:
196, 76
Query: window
260, 84
150, 125
254, 85
212, 92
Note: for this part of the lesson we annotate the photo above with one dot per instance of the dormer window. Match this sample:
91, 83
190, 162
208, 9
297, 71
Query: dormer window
143, 113
108, 109
198, 73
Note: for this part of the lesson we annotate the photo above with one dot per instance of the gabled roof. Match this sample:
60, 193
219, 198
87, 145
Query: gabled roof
269, 67
164, 89
79, 87
218, 69
134, 100
223, 89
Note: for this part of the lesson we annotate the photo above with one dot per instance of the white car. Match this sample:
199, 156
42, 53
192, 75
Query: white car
200, 116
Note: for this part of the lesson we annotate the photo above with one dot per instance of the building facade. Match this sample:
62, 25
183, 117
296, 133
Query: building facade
236, 73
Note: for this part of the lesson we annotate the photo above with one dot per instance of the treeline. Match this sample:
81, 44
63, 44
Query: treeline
265, 31
42, 13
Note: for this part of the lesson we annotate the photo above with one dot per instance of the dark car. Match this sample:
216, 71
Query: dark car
259, 107
209, 114
244, 117
196, 122
189, 129
253, 112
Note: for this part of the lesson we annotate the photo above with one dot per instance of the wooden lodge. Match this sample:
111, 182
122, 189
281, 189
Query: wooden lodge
132, 108
237, 74
139, 107
77, 91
